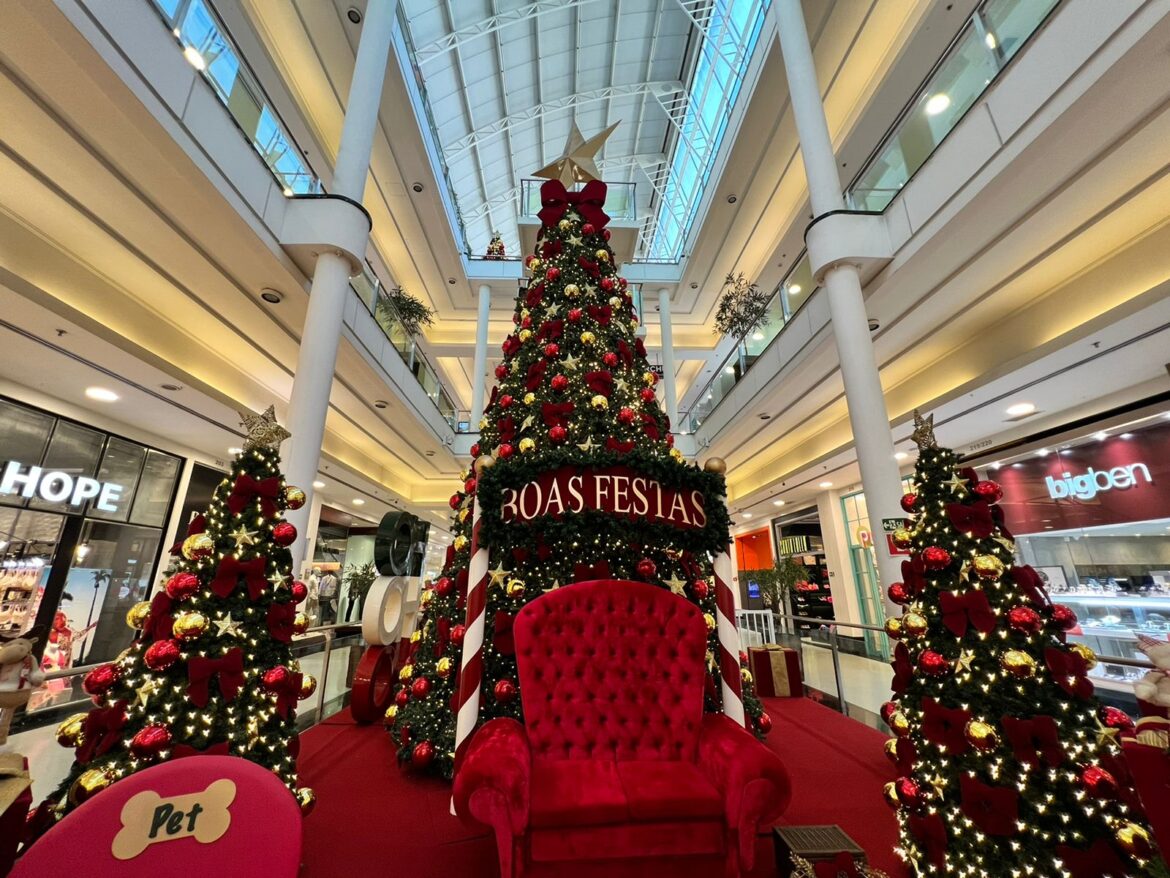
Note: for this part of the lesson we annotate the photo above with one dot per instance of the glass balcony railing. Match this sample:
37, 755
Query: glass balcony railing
620, 203
991, 37
369, 289
209, 49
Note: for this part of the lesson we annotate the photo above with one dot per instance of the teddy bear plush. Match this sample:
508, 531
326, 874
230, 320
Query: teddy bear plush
20, 674
1154, 687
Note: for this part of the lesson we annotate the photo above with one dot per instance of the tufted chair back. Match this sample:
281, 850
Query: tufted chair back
612, 669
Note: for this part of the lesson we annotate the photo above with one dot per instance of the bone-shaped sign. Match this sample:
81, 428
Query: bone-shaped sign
149, 817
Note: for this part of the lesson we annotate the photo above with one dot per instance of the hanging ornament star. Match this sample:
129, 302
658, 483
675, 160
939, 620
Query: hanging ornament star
590, 290
515, 367
277, 579
1005, 542
553, 309
956, 484
228, 627
526, 423
570, 362
146, 690
575, 240
263, 431
939, 783
243, 537
499, 575
676, 585
622, 385
923, 434
575, 164
1106, 737
963, 662
587, 445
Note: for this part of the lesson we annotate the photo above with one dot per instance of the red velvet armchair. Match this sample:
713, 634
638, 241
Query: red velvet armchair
617, 771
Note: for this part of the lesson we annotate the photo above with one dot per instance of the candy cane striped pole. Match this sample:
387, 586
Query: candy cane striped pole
728, 638
471, 666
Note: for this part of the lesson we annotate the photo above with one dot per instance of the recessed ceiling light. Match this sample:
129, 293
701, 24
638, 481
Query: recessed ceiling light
1043, 452
1021, 409
1127, 435
731, 199
826, 484
101, 394
996, 465
1101, 436
746, 514
417, 187
937, 103
171, 387
900, 455
451, 281
380, 403
194, 58
695, 286
235, 451
358, 501
355, 15
318, 485
764, 416
757, 336
781, 503
794, 288
272, 297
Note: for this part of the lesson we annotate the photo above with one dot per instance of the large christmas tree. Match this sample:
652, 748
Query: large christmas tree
1007, 763
210, 670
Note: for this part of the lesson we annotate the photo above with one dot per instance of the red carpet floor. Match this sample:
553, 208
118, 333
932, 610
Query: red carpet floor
372, 819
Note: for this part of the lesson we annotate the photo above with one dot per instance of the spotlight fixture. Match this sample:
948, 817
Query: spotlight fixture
777, 502
764, 416
826, 484
318, 485
900, 455
101, 394
417, 187
1021, 410
171, 387
271, 296
380, 403
874, 324
746, 514
731, 199
695, 286
451, 281
358, 501
354, 14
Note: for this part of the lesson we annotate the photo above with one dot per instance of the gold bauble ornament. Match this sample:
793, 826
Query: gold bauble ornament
484, 423
890, 792
899, 724
572, 291
893, 627
308, 686
443, 667
745, 675
527, 444
987, 567
1134, 840
460, 543
649, 378
89, 782
710, 620
463, 514
529, 398
300, 623
715, 465
406, 673
525, 334
902, 538
391, 712
424, 599
1085, 653
69, 733
588, 337
294, 497
415, 635
1018, 663
676, 454
534, 265
484, 462
189, 625
891, 746
602, 255
615, 302
599, 402
198, 546
514, 588
307, 799
136, 615
914, 624
981, 735
565, 224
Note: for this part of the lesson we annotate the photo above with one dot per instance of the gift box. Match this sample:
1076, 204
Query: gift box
819, 852
1147, 755
776, 670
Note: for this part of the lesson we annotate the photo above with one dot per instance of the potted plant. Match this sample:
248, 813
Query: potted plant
412, 313
743, 307
358, 579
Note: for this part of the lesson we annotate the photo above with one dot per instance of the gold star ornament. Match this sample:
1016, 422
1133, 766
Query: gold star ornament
576, 164
677, 585
923, 434
263, 431
243, 537
499, 576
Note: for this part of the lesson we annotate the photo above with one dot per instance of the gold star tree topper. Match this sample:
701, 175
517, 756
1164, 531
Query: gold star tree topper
923, 434
576, 163
263, 431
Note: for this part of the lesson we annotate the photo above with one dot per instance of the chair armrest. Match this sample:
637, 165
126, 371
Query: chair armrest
493, 777
751, 778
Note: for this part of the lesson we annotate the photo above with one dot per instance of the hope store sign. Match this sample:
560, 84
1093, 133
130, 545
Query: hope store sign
617, 490
55, 486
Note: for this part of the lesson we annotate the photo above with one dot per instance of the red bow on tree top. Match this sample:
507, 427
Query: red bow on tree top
247, 487
555, 200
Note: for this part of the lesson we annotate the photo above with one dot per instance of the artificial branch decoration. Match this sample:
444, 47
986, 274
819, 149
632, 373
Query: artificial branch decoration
412, 313
742, 307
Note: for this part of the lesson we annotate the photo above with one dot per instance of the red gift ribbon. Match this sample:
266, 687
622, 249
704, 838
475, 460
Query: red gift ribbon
200, 670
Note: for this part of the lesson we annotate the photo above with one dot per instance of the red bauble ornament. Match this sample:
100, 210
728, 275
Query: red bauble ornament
182, 585
670, 440
504, 691
100, 679
899, 593
989, 491
647, 568
626, 415
908, 501
475, 450
1098, 782
700, 588
150, 741
421, 687
423, 754
505, 451
1064, 618
647, 394
299, 592
909, 793
501, 372
469, 486
588, 229
457, 632
454, 501
887, 710
401, 697
558, 433
526, 323
610, 359
936, 558
529, 259
276, 679
505, 401
161, 654
764, 723
605, 234
444, 587
284, 534
607, 283
1113, 718
933, 663
553, 273
575, 315
552, 349
559, 382
1025, 620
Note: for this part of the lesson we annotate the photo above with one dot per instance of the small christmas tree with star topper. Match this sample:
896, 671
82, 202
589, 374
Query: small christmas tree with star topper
210, 669
495, 247
1007, 764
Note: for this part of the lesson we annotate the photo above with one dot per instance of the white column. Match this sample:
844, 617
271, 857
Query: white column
317, 358
842, 283
478, 378
668, 357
